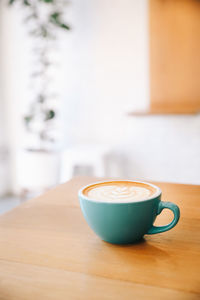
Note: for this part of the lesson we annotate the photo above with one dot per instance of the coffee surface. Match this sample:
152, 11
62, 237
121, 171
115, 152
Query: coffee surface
119, 191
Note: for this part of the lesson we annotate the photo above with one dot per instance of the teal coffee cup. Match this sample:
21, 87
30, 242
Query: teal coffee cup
122, 212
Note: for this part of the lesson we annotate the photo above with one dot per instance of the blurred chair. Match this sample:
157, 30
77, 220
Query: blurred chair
90, 157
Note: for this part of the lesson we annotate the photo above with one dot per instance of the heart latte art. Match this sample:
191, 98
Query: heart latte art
119, 191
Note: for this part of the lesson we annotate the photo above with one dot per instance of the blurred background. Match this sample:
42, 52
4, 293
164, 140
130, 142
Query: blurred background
97, 87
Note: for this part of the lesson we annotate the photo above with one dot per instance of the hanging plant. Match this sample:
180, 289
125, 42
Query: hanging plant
44, 19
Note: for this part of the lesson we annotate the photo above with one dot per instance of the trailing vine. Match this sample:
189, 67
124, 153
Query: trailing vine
43, 19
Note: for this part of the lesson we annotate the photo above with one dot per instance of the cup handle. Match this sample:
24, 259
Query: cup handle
174, 208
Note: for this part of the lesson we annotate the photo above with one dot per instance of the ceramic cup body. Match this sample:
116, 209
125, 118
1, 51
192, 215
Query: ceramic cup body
125, 222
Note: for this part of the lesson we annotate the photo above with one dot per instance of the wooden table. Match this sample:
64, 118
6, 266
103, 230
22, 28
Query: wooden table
47, 251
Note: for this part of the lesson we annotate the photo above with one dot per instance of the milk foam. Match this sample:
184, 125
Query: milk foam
119, 192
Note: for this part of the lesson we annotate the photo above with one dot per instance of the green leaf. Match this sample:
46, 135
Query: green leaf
48, 1
28, 119
55, 16
27, 3
50, 114
65, 26
10, 2
55, 19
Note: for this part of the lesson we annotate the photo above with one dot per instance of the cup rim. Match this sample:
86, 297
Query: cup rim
157, 193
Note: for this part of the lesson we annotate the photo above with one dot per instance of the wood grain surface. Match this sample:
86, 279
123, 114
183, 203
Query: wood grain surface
47, 251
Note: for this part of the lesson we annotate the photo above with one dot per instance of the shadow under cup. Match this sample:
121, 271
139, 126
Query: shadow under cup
125, 222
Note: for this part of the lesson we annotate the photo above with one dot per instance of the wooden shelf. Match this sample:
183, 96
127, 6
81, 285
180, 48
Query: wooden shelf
152, 112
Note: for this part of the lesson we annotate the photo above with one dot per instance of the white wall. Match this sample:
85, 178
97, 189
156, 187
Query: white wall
107, 62
4, 162
107, 66
15, 71
103, 75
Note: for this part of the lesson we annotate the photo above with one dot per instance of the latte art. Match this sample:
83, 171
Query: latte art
119, 192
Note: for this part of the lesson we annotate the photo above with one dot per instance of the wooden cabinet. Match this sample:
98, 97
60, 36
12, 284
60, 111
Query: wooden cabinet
174, 45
